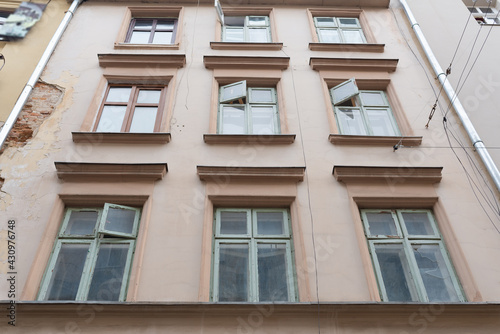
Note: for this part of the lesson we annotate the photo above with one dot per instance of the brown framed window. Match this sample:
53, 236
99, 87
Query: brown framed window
131, 109
152, 31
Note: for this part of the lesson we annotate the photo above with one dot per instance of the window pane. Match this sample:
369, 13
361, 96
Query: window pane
233, 120
143, 24
417, 223
144, 119
273, 285
261, 95
149, 96
381, 224
107, 279
329, 35
351, 122
234, 35
258, 35
140, 37
327, 22
486, 10
395, 272
120, 220
67, 272
233, 222
233, 272
372, 99
234, 21
270, 223
353, 36
111, 119
234, 91
381, 122
348, 22
119, 94
81, 223
263, 120
162, 37
257, 21
344, 91
165, 25
434, 273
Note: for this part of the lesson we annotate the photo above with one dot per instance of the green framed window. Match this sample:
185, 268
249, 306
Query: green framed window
362, 112
409, 256
248, 110
92, 256
253, 256
339, 30
254, 29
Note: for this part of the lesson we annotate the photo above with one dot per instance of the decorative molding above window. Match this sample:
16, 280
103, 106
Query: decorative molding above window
350, 64
251, 174
398, 175
251, 63
141, 60
75, 171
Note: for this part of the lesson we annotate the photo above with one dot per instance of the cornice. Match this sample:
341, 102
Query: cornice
353, 64
362, 174
77, 171
250, 174
142, 60
244, 62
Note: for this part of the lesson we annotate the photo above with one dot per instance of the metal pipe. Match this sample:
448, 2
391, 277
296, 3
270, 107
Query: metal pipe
23, 97
450, 92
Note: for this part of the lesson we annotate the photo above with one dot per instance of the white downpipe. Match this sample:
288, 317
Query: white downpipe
21, 101
450, 92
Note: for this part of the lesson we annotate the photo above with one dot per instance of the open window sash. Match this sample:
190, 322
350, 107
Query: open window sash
344, 92
234, 92
119, 220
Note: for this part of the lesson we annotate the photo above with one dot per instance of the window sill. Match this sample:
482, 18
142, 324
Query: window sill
121, 137
249, 139
374, 140
352, 47
246, 46
128, 46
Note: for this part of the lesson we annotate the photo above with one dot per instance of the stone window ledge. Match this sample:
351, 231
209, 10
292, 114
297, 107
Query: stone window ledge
249, 139
375, 140
121, 137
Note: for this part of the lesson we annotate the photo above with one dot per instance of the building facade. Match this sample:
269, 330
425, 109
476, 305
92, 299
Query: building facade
269, 174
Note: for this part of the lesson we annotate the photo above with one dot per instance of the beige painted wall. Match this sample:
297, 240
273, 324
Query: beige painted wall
172, 257
23, 55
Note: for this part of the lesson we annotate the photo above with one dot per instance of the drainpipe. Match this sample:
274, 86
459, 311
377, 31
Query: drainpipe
21, 101
462, 114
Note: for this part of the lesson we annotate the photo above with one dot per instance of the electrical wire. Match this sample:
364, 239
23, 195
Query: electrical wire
308, 195
3, 58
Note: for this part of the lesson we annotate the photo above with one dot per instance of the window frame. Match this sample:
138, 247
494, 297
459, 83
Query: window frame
94, 241
407, 241
130, 105
358, 104
338, 27
153, 29
247, 108
253, 240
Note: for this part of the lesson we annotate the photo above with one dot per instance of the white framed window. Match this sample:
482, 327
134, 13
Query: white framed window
485, 15
339, 30
409, 256
93, 254
254, 29
253, 256
362, 112
248, 110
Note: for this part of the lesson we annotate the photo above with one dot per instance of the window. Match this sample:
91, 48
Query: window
339, 30
248, 110
253, 256
152, 31
131, 109
246, 29
409, 257
92, 256
485, 15
3, 17
362, 112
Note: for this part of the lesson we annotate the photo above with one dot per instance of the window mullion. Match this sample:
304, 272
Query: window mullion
415, 271
366, 121
87, 273
254, 272
129, 114
152, 32
248, 117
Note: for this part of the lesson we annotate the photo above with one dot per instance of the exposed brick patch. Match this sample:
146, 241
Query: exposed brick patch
2, 180
43, 100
